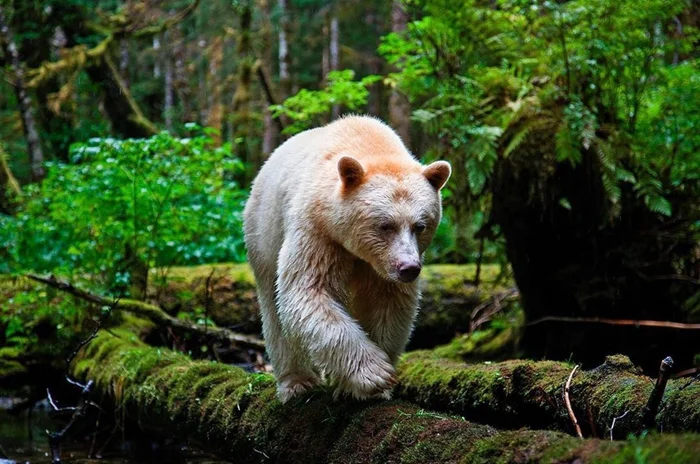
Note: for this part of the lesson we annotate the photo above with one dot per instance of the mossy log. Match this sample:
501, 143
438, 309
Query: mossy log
226, 292
235, 414
520, 393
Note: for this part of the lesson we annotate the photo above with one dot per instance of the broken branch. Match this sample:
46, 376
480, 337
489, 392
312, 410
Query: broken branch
155, 314
652, 407
567, 401
628, 322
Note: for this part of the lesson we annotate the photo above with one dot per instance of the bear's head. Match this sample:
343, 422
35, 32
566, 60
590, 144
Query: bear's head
387, 213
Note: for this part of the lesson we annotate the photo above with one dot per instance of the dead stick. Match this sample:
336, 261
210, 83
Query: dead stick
567, 401
615, 419
691, 371
628, 322
652, 407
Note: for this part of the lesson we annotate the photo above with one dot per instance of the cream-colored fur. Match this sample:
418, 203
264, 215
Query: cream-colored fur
336, 226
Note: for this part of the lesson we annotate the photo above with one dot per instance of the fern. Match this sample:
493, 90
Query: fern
611, 187
605, 155
625, 176
658, 204
565, 145
517, 139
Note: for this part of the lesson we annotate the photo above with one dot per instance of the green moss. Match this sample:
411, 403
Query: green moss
229, 298
236, 414
491, 344
527, 393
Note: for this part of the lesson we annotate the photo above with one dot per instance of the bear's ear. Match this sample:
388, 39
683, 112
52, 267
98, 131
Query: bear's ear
351, 172
437, 173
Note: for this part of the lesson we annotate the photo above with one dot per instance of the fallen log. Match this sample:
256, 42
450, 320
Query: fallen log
235, 415
521, 393
226, 293
154, 314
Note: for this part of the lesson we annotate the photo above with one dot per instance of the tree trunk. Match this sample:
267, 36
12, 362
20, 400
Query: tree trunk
123, 111
242, 96
36, 154
215, 117
124, 60
270, 133
168, 103
9, 187
232, 413
446, 306
334, 53
523, 393
374, 103
399, 106
578, 263
156, 57
285, 58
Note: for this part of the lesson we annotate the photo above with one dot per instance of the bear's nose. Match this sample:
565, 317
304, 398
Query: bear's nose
409, 271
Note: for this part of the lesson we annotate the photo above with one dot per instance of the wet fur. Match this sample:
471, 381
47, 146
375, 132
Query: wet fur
326, 272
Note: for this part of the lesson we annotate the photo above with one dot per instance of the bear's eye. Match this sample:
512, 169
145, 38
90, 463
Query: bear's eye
419, 228
386, 227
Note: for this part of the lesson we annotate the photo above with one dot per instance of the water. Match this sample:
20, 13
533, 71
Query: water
23, 438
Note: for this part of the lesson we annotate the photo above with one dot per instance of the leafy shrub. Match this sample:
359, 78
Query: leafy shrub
308, 107
160, 202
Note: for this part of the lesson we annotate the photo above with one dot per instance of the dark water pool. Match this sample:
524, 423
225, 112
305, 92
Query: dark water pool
23, 439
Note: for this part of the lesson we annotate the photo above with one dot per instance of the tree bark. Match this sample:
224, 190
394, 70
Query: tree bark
169, 97
334, 53
36, 154
232, 413
285, 58
156, 57
243, 94
576, 262
123, 111
9, 187
270, 133
215, 115
124, 60
399, 106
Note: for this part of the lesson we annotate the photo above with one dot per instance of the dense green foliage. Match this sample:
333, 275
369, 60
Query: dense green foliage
308, 108
602, 76
160, 201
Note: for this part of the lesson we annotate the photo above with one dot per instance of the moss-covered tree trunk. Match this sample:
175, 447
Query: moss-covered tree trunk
522, 393
579, 261
236, 415
227, 294
9, 187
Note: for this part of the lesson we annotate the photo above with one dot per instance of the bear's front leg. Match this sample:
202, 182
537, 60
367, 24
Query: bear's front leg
387, 312
310, 311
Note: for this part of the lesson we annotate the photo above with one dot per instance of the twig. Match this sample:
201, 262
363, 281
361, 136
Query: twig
155, 314
485, 311
615, 419
652, 407
691, 371
79, 411
689, 382
627, 322
567, 401
84, 402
